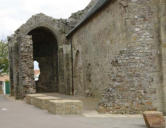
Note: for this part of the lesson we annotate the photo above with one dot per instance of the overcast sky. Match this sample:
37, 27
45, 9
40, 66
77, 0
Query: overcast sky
13, 13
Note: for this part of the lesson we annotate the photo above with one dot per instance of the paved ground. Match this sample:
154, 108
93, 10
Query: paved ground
17, 114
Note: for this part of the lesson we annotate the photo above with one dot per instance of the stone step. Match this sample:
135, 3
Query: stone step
42, 102
65, 107
29, 97
55, 105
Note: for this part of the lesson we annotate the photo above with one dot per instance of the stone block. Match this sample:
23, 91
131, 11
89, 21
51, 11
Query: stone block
154, 119
42, 102
29, 97
65, 107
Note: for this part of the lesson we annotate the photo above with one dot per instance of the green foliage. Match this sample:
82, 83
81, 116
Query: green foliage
4, 63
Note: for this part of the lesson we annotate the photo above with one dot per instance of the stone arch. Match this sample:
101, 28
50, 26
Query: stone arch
56, 30
41, 20
45, 51
22, 42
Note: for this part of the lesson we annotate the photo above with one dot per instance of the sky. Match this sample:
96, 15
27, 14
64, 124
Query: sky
13, 13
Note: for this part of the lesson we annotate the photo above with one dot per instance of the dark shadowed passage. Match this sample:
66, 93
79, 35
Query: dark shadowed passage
46, 53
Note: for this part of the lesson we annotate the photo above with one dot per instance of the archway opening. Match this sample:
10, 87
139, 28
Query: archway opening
36, 70
45, 52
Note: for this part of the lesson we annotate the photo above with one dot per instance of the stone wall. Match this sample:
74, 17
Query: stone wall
26, 68
162, 89
116, 57
10, 50
55, 79
22, 67
76, 17
14, 69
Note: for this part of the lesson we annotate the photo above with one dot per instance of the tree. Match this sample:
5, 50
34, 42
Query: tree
4, 63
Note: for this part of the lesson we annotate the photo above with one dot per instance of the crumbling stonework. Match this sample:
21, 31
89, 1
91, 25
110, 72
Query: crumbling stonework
117, 55
14, 73
21, 62
21, 65
49, 48
26, 76
75, 18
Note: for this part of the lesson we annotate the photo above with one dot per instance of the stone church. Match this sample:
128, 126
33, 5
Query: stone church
113, 50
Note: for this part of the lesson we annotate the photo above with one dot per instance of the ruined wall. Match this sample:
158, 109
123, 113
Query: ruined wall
62, 76
10, 50
116, 57
26, 68
76, 17
162, 89
14, 69
19, 55
21, 66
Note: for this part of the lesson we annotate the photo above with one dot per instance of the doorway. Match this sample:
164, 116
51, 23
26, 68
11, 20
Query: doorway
45, 52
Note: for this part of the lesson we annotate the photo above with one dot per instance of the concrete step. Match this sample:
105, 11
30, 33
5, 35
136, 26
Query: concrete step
55, 105
42, 102
29, 97
65, 107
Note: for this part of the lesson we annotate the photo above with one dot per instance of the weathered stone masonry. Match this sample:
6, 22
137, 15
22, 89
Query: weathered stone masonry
47, 45
40, 30
162, 88
116, 55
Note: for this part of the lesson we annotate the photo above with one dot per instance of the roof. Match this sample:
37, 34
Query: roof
95, 9
4, 78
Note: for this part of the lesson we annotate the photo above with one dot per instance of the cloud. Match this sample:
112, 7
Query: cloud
13, 13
